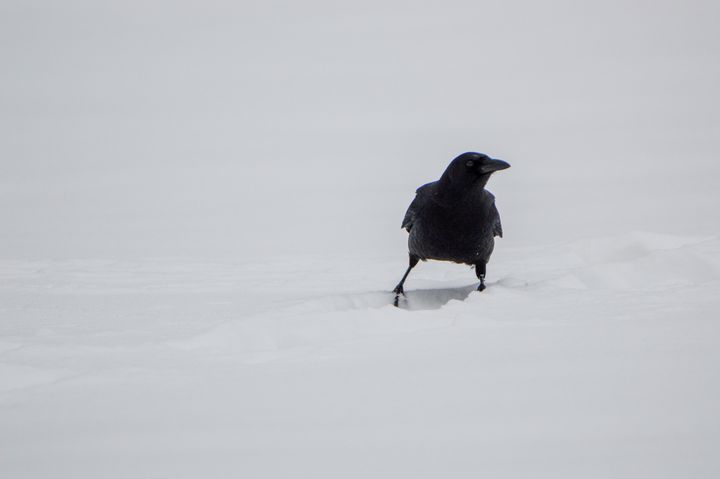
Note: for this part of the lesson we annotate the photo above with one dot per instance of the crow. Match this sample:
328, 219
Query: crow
455, 218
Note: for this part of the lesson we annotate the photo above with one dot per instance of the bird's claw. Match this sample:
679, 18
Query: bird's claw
398, 291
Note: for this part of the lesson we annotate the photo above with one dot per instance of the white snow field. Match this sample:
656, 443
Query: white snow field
595, 358
200, 208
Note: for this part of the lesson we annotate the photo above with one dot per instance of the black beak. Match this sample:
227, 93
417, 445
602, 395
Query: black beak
488, 166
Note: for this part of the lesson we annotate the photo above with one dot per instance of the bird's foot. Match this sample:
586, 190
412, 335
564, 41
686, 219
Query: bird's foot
398, 291
482, 283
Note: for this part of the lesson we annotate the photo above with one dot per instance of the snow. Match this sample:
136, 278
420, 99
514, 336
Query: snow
200, 212
597, 357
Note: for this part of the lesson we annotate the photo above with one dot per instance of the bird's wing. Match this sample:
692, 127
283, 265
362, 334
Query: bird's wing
497, 225
492, 215
422, 195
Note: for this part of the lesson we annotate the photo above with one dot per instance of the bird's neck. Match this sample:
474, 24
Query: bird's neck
451, 191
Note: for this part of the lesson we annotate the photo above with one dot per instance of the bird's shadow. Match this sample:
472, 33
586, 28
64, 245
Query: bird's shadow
415, 300
425, 299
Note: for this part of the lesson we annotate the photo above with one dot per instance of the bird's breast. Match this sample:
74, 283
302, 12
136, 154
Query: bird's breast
445, 235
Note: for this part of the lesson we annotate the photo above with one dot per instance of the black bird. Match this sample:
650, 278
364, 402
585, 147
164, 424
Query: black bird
455, 218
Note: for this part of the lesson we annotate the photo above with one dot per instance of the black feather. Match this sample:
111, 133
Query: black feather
455, 218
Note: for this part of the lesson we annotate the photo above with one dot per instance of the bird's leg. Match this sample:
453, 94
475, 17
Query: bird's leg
399, 288
480, 272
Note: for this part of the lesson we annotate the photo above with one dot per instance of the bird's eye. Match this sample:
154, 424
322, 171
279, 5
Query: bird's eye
470, 164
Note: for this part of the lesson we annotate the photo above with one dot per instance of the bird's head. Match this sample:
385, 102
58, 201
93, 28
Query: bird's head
472, 169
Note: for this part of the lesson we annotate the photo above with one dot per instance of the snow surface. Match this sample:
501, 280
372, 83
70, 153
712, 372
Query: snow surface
200, 210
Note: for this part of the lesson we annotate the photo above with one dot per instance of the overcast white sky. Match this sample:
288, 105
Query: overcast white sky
146, 128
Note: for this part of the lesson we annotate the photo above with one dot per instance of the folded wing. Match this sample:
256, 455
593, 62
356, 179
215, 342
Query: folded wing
422, 196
